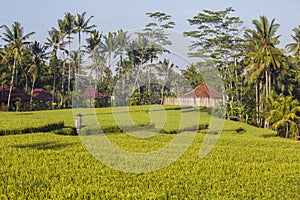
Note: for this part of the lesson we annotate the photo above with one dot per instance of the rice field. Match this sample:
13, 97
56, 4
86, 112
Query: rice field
252, 165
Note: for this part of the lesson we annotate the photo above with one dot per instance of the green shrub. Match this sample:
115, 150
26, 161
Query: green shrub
66, 131
178, 107
203, 126
117, 129
240, 130
175, 130
42, 128
111, 129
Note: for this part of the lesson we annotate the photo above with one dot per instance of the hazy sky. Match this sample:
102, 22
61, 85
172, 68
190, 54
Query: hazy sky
111, 15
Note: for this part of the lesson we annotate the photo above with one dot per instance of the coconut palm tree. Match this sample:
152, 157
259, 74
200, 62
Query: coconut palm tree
39, 55
164, 69
109, 45
122, 39
139, 53
62, 35
16, 40
295, 46
55, 41
69, 30
284, 114
92, 48
81, 25
192, 75
74, 61
264, 59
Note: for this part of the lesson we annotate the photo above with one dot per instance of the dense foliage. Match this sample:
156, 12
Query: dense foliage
252, 67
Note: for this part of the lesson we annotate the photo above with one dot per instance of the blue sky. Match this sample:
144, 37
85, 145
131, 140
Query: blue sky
111, 15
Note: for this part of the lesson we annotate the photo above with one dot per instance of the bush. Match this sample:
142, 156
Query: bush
240, 130
117, 129
141, 127
44, 128
66, 131
179, 107
195, 128
203, 126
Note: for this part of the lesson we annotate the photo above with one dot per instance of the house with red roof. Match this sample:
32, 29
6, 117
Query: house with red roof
202, 95
19, 100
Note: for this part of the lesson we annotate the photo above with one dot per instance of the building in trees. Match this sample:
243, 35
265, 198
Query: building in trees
202, 95
19, 100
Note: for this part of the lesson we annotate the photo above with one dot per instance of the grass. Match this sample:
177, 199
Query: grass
253, 165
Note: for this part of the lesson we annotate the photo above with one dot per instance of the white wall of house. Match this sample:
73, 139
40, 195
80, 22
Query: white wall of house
195, 102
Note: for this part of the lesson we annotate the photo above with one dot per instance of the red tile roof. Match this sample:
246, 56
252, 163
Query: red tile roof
203, 91
42, 95
15, 94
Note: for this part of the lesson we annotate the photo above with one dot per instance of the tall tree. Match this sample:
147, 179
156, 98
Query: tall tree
139, 53
265, 58
217, 39
92, 47
82, 26
164, 69
122, 39
38, 52
293, 80
156, 32
62, 35
56, 43
295, 46
157, 27
109, 45
16, 40
69, 30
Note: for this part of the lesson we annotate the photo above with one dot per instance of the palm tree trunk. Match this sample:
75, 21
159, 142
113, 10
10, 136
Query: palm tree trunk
257, 103
162, 94
123, 91
138, 75
69, 70
54, 85
109, 59
79, 52
31, 93
270, 83
136, 80
26, 83
287, 131
149, 79
16, 76
11, 84
261, 105
63, 73
267, 84
268, 90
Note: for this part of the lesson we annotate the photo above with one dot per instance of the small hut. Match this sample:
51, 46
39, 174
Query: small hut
43, 98
19, 100
42, 95
202, 95
99, 98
